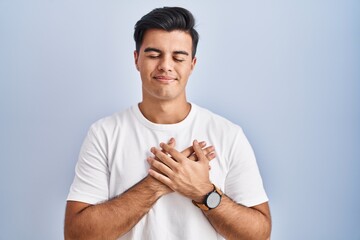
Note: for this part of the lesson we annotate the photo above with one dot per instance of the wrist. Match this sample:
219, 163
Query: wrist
205, 189
157, 188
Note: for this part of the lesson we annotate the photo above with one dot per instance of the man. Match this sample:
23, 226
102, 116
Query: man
131, 181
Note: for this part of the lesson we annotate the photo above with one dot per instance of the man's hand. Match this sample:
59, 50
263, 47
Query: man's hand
112, 219
189, 153
180, 172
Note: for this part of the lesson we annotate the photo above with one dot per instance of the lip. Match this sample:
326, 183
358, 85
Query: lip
165, 79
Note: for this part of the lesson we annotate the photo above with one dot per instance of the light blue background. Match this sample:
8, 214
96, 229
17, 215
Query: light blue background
288, 72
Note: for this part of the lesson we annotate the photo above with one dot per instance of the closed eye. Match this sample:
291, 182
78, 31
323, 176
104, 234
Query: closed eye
153, 56
178, 60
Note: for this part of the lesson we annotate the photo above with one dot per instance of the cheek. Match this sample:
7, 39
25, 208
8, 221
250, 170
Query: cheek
148, 67
144, 69
186, 72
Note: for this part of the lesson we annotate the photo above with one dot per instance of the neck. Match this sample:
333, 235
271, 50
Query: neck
165, 112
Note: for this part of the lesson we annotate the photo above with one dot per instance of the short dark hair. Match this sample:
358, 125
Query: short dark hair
168, 19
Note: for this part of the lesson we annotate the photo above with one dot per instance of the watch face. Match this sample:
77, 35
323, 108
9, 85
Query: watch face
213, 200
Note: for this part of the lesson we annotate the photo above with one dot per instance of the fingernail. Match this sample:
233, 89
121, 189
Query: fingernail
196, 142
152, 150
203, 143
161, 144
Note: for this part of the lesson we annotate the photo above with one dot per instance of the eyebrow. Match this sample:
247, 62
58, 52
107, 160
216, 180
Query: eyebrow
182, 52
150, 49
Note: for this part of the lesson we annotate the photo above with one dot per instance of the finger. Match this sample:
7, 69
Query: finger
193, 157
208, 153
177, 156
210, 156
159, 166
190, 150
160, 177
172, 142
164, 157
198, 151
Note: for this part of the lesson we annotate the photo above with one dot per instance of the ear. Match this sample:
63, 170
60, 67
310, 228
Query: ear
193, 63
136, 58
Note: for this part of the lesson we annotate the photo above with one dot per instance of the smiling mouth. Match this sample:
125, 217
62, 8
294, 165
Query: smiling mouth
165, 79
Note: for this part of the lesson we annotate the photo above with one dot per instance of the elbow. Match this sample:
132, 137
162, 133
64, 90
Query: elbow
70, 233
266, 229
74, 230
261, 230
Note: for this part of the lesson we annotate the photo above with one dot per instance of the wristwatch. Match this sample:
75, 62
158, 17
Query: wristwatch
212, 200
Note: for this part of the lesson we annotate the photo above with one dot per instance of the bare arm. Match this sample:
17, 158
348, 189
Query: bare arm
230, 219
112, 219
234, 221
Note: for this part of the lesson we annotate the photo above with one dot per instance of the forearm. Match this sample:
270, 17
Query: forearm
230, 219
114, 218
234, 221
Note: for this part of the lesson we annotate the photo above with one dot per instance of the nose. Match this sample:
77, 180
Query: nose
165, 64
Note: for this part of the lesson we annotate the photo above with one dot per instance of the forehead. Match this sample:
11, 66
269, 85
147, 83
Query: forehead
167, 41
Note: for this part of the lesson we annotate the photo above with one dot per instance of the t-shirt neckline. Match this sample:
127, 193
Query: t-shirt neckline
164, 127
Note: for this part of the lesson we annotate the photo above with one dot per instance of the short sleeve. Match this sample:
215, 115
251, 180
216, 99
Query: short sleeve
91, 181
243, 183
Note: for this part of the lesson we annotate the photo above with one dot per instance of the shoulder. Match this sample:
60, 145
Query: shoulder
111, 123
216, 121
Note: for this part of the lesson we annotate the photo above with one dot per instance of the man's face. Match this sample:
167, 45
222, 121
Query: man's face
165, 63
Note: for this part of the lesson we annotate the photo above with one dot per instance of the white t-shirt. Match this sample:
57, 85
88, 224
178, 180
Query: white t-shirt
113, 159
